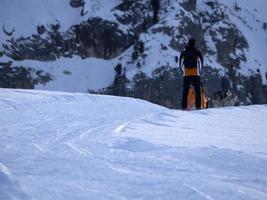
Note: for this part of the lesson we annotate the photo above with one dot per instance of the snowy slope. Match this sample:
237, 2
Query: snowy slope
25, 16
9, 188
250, 21
72, 74
81, 146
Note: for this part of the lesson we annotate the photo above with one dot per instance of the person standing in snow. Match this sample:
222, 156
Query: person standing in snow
189, 64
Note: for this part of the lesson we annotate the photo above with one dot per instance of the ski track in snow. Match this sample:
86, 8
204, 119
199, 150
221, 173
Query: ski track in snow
198, 192
57, 145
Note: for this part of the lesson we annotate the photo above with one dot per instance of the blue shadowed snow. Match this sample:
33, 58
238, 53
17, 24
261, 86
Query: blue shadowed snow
57, 145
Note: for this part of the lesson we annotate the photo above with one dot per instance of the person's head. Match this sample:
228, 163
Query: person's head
191, 42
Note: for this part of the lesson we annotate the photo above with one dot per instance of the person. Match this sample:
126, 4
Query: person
189, 64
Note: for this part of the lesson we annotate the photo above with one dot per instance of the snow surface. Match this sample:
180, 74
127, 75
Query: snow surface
73, 74
10, 189
26, 15
250, 21
57, 145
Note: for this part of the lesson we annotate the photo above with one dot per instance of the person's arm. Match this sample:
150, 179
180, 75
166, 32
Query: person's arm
181, 60
201, 59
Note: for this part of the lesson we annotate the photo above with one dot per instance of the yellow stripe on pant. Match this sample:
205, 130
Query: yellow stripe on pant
191, 71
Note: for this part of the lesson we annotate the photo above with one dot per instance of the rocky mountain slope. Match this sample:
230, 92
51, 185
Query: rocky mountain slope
76, 45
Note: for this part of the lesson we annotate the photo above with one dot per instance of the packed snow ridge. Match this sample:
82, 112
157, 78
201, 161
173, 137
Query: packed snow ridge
57, 145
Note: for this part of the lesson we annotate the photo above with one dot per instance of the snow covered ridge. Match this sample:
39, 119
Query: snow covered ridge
57, 145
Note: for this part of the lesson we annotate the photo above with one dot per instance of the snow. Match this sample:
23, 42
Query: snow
100, 8
57, 145
24, 16
10, 189
153, 56
72, 74
250, 21
256, 6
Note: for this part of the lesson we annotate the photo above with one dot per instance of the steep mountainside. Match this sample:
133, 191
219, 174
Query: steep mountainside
76, 45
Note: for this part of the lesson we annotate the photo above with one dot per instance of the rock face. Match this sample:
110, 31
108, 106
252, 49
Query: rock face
92, 38
21, 77
189, 5
230, 44
163, 88
76, 3
100, 38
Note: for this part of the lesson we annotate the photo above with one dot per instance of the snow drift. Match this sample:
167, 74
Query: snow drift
9, 188
81, 146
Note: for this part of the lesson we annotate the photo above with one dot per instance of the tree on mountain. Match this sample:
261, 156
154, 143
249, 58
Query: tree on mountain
141, 86
144, 25
190, 5
237, 7
155, 6
166, 86
119, 86
139, 48
57, 39
40, 29
256, 88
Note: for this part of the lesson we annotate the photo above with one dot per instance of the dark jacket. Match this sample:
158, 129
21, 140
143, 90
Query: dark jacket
189, 57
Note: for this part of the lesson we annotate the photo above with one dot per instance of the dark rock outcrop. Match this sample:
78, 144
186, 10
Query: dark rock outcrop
22, 77
101, 38
76, 3
93, 38
189, 5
